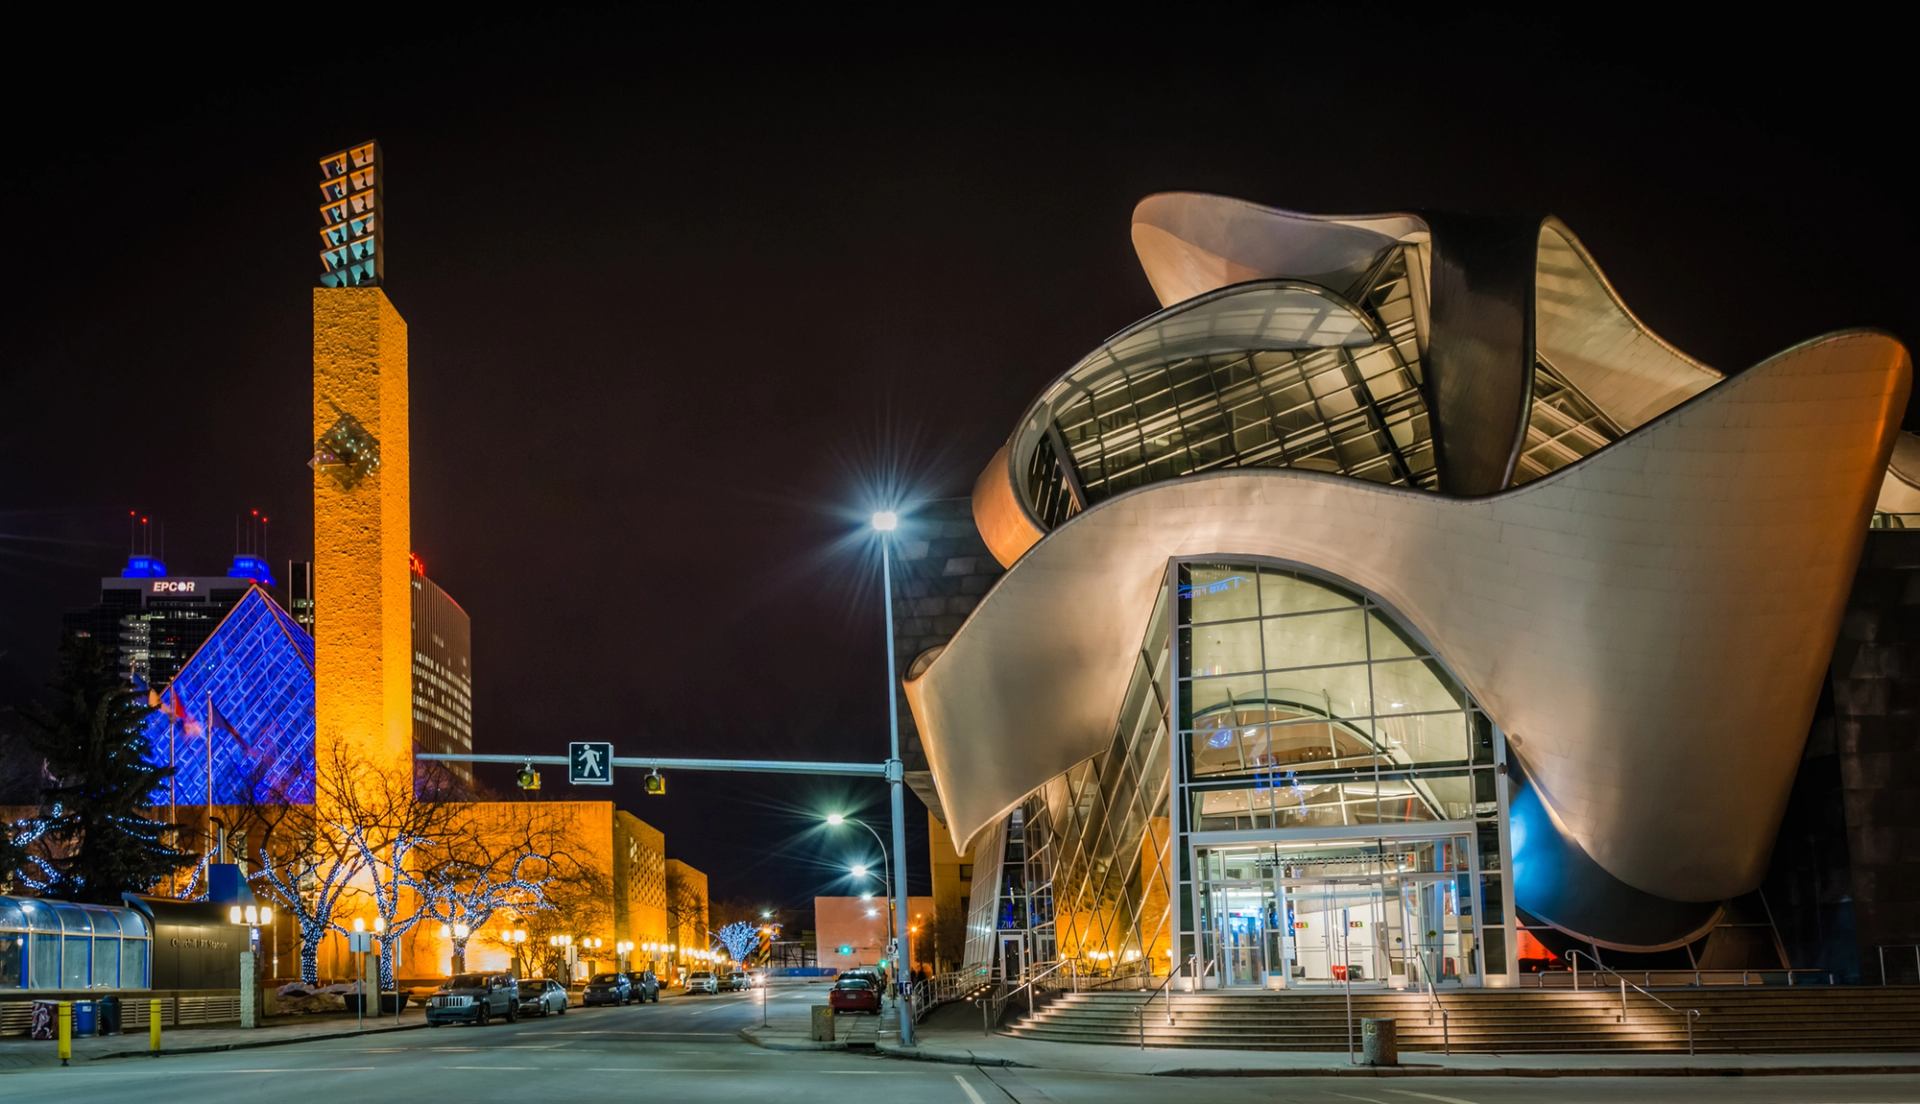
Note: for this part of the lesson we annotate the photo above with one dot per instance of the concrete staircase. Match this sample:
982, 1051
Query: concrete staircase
1509, 1021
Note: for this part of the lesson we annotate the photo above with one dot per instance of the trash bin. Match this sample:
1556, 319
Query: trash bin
1379, 1043
109, 1015
823, 1023
85, 1018
46, 1020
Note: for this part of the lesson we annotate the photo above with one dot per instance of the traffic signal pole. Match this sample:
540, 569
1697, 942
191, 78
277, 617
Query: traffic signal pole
745, 766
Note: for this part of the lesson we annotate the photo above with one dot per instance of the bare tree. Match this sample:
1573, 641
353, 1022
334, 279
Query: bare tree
493, 867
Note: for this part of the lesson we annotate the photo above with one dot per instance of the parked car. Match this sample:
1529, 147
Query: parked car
757, 978
702, 981
474, 999
643, 986
878, 979
606, 989
854, 994
735, 981
542, 997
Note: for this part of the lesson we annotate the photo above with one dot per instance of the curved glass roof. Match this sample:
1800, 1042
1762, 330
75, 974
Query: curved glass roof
29, 914
1272, 373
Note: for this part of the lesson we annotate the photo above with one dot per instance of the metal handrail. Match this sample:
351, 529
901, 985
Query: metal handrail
1702, 978
1689, 1014
992, 1007
1140, 1012
1883, 948
1433, 1001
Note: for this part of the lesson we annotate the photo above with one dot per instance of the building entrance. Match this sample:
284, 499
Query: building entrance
1320, 913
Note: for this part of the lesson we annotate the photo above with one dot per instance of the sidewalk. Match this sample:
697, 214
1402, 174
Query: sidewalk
952, 1034
19, 1052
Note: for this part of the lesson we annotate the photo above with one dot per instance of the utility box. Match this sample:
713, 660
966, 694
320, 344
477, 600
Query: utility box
1379, 1043
823, 1023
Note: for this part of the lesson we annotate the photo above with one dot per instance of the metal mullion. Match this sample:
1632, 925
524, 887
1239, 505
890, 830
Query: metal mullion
1402, 470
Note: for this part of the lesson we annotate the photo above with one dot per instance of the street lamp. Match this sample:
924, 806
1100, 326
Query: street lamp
253, 918
884, 523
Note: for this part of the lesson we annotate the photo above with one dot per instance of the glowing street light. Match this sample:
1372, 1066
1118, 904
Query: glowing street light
884, 523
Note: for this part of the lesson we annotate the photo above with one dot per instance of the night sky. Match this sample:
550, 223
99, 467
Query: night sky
681, 308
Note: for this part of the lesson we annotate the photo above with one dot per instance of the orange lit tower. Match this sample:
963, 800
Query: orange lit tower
361, 491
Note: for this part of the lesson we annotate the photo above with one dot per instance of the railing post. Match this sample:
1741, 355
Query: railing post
1623, 1000
1691, 1013
984, 1030
1574, 957
1446, 1033
1916, 962
1140, 1020
1883, 964
1348, 977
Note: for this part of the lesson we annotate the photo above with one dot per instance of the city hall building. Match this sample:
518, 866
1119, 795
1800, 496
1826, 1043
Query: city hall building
1393, 606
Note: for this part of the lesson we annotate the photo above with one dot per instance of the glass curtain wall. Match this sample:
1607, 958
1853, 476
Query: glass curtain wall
1339, 791
1274, 374
1084, 872
1562, 426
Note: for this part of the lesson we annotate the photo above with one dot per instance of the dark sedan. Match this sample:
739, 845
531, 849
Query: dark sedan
607, 989
854, 994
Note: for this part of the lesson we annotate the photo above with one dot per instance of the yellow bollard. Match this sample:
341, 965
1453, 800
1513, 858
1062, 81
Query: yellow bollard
66, 1031
153, 1027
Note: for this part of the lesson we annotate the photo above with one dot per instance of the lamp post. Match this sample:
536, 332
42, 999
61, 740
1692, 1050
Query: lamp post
860, 871
457, 934
253, 918
884, 523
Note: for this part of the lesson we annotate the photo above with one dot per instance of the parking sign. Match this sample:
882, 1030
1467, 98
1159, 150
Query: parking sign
590, 763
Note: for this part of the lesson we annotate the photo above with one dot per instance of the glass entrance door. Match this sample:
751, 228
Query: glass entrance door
1336, 930
1242, 913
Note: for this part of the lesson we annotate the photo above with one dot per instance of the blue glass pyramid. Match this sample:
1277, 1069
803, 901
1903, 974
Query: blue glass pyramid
258, 668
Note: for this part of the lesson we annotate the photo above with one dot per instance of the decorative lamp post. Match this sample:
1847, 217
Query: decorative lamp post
253, 918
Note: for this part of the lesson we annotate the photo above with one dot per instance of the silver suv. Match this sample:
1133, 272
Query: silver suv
702, 981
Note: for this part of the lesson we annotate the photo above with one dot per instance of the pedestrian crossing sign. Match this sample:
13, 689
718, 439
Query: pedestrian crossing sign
590, 763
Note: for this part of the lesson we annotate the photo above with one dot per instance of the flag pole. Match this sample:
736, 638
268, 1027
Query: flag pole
208, 733
173, 786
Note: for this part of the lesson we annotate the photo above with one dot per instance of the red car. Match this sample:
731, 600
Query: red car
854, 994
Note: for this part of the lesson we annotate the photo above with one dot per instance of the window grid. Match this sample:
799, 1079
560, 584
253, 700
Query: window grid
1357, 412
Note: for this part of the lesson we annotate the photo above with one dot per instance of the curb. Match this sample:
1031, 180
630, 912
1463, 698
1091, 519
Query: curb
254, 1044
962, 1058
748, 1034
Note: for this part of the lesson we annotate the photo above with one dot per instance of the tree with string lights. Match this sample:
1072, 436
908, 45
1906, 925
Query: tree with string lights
93, 841
740, 938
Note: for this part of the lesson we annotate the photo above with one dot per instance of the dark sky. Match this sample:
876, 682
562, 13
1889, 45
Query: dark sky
678, 305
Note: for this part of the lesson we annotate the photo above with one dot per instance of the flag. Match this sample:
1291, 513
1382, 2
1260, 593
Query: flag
174, 710
220, 724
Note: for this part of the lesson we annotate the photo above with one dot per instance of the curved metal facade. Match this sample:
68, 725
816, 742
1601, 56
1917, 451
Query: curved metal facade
1644, 602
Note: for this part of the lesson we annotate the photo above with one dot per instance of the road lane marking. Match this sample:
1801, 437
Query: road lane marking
968, 1089
503, 1069
289, 1069
1368, 1099
1430, 1096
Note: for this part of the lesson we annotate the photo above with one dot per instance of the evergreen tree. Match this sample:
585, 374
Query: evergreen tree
98, 836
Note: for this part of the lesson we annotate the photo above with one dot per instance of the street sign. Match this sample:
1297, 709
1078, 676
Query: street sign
360, 942
590, 763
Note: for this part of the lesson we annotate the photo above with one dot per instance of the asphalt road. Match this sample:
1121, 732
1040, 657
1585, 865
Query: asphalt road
687, 1049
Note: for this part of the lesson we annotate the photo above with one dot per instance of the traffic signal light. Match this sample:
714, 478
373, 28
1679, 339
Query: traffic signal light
656, 784
528, 778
